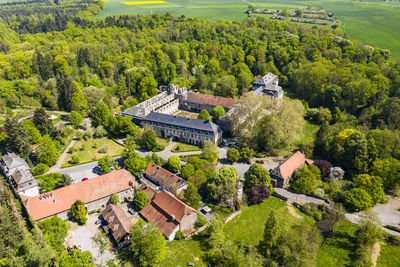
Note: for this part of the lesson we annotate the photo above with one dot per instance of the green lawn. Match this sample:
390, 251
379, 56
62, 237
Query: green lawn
389, 256
91, 150
372, 23
180, 147
248, 227
338, 247
182, 252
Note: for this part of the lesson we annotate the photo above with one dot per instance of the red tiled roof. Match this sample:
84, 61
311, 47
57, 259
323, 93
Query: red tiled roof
293, 163
117, 221
159, 218
162, 208
172, 205
163, 176
60, 200
211, 99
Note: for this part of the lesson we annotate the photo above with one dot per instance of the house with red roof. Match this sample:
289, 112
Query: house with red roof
281, 175
95, 192
117, 225
164, 178
170, 214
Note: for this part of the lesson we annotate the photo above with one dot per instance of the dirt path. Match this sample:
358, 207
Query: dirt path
376, 249
292, 211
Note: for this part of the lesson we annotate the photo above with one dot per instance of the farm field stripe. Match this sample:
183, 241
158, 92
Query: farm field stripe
144, 2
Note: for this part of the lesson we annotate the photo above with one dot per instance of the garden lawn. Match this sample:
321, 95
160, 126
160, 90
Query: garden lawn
389, 256
182, 252
338, 247
249, 226
180, 147
91, 150
163, 142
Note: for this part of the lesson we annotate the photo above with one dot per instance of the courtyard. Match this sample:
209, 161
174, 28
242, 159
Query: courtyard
81, 236
187, 114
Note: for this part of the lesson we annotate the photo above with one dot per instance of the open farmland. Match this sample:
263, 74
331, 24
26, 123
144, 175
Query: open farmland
375, 23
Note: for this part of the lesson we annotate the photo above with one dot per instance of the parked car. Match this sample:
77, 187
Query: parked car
131, 211
248, 162
262, 162
190, 263
85, 179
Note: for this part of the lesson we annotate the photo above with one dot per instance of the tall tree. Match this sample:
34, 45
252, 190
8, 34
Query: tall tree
42, 121
148, 245
17, 140
256, 175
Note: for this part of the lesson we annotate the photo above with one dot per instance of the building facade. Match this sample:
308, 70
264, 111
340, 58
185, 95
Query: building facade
187, 130
156, 113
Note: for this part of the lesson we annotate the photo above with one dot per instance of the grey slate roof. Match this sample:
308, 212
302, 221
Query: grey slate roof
12, 160
182, 122
22, 176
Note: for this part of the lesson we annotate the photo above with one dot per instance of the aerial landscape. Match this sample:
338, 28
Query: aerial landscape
200, 133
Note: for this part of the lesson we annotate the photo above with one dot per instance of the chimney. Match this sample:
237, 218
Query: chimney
172, 218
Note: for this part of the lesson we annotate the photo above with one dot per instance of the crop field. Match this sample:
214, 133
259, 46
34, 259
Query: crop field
373, 23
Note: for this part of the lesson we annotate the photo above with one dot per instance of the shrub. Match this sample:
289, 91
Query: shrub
48, 182
140, 200
75, 159
358, 199
179, 235
40, 169
71, 150
104, 148
201, 221
78, 211
114, 199
100, 132
257, 194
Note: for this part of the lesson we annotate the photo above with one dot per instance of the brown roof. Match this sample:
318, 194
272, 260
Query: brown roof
60, 200
161, 211
150, 190
293, 163
164, 177
211, 99
117, 221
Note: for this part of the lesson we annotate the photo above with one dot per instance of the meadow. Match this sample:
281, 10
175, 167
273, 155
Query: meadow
375, 23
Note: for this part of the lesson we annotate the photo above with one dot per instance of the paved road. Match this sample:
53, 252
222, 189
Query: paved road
387, 213
57, 166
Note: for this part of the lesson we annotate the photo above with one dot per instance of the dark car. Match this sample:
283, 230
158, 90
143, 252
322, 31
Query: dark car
85, 179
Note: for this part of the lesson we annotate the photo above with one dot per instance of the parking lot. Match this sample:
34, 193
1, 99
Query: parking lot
81, 236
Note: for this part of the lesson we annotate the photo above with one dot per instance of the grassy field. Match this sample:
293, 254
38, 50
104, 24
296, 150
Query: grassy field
248, 227
182, 252
389, 256
91, 150
338, 247
377, 24
180, 147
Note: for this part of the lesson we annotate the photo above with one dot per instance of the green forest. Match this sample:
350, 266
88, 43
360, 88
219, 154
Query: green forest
59, 56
